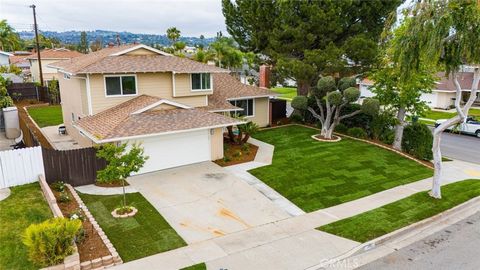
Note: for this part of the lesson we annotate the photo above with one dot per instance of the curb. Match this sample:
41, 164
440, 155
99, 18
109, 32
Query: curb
395, 235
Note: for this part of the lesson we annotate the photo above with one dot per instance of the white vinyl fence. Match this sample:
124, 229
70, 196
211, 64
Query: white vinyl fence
20, 166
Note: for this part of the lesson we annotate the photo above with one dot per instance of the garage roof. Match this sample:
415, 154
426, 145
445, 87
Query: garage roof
128, 120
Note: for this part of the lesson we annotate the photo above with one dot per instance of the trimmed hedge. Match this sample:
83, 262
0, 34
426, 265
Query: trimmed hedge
417, 141
357, 132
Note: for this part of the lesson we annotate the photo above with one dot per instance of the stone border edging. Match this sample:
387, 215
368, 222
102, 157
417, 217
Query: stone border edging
367, 246
323, 140
103, 262
131, 214
362, 140
71, 262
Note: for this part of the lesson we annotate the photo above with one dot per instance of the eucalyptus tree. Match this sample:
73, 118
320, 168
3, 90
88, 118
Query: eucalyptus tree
446, 32
331, 97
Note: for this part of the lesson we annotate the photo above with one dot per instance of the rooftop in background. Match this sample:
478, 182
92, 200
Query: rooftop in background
58, 53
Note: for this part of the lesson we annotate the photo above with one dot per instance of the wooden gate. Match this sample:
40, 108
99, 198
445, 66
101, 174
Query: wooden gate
77, 167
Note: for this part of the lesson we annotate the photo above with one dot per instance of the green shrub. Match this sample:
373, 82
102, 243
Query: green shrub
296, 118
387, 136
59, 186
381, 127
64, 198
49, 242
417, 141
341, 128
357, 133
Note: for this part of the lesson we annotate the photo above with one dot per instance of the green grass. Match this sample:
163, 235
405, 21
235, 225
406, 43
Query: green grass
145, 234
287, 93
315, 175
25, 206
435, 115
393, 216
47, 115
199, 266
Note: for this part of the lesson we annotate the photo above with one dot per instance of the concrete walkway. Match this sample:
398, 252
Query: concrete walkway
59, 142
96, 190
263, 158
291, 243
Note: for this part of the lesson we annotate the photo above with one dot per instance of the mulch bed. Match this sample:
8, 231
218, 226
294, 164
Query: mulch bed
111, 184
236, 154
92, 246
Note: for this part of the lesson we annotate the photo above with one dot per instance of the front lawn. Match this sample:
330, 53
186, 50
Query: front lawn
47, 115
287, 93
435, 115
199, 266
315, 175
396, 215
25, 206
145, 234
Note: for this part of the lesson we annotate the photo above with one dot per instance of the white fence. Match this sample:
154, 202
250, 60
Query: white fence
20, 166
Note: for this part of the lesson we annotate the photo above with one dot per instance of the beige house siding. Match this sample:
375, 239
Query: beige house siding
261, 112
183, 86
154, 84
216, 141
48, 73
444, 99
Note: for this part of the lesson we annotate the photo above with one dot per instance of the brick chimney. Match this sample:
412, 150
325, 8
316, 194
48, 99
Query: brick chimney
264, 76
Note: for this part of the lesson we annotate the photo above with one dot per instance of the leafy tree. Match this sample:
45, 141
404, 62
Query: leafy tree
244, 132
12, 68
97, 44
53, 91
447, 33
179, 45
83, 45
306, 38
331, 97
173, 34
121, 163
203, 56
9, 40
226, 53
5, 99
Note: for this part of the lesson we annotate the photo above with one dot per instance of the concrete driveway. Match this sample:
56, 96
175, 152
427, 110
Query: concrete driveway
203, 201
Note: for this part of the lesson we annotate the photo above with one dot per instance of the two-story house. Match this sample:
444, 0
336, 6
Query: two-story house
175, 107
49, 56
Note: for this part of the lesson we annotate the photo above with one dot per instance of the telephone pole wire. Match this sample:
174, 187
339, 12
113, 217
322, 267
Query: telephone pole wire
37, 44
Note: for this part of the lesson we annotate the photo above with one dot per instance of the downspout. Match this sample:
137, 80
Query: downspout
89, 96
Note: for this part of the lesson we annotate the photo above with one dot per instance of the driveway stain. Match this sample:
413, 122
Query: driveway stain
214, 231
215, 176
227, 213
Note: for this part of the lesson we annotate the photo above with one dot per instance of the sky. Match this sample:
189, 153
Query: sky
192, 17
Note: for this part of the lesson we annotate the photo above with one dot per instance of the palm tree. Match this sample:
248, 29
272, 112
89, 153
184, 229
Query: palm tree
9, 40
173, 34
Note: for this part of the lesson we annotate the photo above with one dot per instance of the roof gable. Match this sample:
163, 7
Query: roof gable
159, 104
140, 49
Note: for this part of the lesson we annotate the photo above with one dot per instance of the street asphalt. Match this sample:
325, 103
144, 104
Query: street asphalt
455, 247
462, 147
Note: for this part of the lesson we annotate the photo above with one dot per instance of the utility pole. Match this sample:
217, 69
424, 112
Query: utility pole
38, 44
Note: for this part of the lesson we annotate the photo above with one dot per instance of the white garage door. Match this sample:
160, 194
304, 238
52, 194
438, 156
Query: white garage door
430, 99
175, 150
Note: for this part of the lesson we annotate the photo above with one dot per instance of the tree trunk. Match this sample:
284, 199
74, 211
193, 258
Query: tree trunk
302, 88
397, 142
231, 136
437, 133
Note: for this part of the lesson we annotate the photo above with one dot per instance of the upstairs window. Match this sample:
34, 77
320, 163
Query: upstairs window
120, 85
201, 82
246, 104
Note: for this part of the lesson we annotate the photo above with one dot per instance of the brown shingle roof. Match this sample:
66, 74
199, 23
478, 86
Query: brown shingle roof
226, 87
119, 122
105, 61
60, 53
464, 78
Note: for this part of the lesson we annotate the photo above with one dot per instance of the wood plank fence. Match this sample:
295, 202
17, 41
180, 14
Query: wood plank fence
76, 167
22, 91
20, 166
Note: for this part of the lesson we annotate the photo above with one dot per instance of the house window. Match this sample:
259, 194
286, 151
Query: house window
246, 104
201, 81
120, 85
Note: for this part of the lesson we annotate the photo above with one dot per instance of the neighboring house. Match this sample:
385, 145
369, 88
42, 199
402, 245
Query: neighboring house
19, 59
12, 77
177, 108
5, 58
442, 96
49, 56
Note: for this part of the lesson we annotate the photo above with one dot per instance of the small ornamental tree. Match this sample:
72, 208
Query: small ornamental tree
244, 132
331, 98
53, 91
121, 163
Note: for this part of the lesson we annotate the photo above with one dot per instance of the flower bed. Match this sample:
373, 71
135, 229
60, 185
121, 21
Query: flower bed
93, 246
236, 154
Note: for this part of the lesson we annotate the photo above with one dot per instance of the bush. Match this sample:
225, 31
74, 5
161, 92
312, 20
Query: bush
381, 127
341, 128
357, 133
387, 137
49, 242
361, 120
417, 141
296, 118
64, 198
59, 186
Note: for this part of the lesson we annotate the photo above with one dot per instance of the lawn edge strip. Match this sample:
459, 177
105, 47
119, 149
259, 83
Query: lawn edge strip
361, 140
371, 244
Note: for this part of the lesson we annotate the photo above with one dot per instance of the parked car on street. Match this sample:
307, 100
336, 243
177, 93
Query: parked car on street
470, 126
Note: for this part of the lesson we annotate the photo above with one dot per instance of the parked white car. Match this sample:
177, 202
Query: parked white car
469, 126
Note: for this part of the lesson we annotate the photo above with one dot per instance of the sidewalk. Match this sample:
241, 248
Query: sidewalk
291, 243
